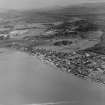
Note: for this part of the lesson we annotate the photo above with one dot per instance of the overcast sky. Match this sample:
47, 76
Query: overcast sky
30, 4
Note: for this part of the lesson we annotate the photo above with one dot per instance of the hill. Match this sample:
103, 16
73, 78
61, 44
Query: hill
92, 11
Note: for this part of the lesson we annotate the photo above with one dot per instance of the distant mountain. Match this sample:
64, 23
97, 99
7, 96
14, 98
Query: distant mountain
88, 10
77, 10
9, 14
3, 10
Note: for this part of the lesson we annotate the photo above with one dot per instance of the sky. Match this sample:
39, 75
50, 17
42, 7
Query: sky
35, 4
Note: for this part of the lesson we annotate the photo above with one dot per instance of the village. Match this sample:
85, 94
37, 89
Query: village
83, 64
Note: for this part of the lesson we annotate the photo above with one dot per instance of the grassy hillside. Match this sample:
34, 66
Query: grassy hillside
94, 13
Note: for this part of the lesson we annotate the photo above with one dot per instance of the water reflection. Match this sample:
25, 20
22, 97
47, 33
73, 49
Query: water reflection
25, 80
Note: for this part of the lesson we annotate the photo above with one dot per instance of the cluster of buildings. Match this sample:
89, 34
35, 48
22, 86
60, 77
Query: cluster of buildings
84, 65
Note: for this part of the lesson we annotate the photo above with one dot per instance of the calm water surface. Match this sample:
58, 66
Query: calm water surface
26, 80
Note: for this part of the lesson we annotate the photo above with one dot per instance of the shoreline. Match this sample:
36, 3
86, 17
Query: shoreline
46, 61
